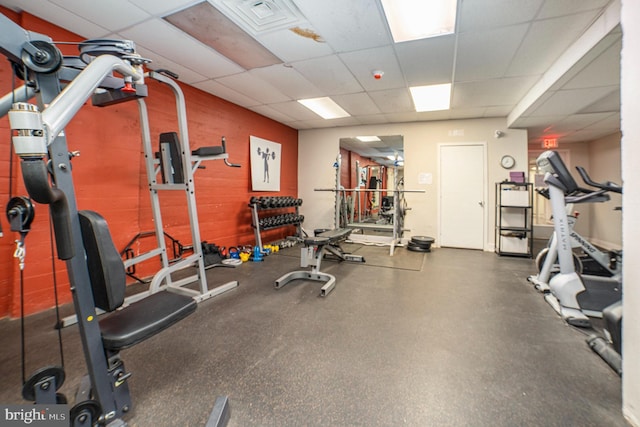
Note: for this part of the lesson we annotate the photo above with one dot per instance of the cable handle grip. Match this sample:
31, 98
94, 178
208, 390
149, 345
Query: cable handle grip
36, 180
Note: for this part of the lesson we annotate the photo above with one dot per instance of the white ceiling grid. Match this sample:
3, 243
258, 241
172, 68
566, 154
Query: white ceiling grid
499, 57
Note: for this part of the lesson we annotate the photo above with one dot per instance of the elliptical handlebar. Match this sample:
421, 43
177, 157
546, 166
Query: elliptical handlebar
607, 186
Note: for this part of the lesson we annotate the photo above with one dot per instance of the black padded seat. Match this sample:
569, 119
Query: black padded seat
138, 321
145, 318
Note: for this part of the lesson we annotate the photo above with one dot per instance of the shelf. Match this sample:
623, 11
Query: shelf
514, 219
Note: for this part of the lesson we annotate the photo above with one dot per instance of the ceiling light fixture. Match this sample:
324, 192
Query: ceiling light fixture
432, 97
324, 107
419, 19
367, 138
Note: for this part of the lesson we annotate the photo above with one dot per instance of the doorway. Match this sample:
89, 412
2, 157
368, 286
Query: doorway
463, 184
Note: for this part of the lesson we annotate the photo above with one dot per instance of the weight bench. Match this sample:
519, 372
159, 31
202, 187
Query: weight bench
314, 250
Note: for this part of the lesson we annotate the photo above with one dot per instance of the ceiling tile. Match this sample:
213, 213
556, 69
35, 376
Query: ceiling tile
329, 74
495, 92
253, 87
63, 17
485, 14
546, 41
272, 113
295, 110
363, 63
499, 111
357, 104
585, 135
347, 25
603, 70
467, 113
161, 8
185, 74
393, 101
610, 122
427, 61
224, 92
578, 121
161, 37
553, 8
565, 102
402, 117
208, 25
372, 119
607, 103
113, 15
288, 80
290, 47
487, 54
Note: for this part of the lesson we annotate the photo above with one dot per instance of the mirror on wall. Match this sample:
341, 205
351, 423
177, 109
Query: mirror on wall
371, 165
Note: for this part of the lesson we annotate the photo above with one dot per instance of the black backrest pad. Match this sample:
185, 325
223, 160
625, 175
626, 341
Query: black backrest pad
171, 144
562, 173
106, 270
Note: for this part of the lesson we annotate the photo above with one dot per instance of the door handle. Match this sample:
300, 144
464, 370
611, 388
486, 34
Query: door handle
481, 203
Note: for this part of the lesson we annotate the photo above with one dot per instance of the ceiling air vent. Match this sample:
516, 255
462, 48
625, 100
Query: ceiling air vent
260, 16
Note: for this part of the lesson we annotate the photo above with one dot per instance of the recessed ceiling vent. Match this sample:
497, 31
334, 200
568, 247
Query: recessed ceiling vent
260, 16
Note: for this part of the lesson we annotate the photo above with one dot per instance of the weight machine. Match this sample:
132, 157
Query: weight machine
96, 271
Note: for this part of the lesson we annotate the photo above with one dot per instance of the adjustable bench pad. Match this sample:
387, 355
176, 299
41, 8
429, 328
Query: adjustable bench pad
145, 318
328, 237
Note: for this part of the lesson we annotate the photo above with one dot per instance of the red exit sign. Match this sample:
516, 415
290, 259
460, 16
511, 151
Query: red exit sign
550, 143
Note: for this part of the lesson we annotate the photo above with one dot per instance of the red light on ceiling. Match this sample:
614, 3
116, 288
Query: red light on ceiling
549, 143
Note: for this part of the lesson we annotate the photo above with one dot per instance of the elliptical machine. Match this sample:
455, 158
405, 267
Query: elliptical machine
571, 295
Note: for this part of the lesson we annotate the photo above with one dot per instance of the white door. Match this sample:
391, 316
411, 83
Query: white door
462, 195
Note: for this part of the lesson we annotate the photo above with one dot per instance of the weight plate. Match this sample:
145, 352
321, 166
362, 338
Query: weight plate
56, 372
422, 240
415, 248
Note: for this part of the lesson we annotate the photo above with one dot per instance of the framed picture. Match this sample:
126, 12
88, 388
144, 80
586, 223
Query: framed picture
265, 164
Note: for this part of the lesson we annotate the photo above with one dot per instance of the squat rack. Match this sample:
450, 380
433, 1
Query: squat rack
399, 210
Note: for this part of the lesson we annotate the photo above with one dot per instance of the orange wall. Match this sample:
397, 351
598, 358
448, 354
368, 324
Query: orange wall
110, 178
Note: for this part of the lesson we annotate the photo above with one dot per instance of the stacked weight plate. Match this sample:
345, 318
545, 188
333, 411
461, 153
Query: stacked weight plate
420, 244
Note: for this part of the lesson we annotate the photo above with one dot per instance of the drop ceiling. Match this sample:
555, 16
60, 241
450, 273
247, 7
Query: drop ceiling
550, 66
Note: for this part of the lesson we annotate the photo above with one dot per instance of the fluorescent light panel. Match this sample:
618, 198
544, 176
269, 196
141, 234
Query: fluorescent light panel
432, 97
367, 138
419, 19
324, 107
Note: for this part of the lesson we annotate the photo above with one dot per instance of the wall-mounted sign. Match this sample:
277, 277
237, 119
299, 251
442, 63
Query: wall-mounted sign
548, 143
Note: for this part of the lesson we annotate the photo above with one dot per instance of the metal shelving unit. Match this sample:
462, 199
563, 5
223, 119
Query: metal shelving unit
514, 219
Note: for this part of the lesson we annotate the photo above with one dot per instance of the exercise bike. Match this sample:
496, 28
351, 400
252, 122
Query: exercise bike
571, 295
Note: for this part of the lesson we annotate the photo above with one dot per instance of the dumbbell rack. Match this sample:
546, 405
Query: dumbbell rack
269, 222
